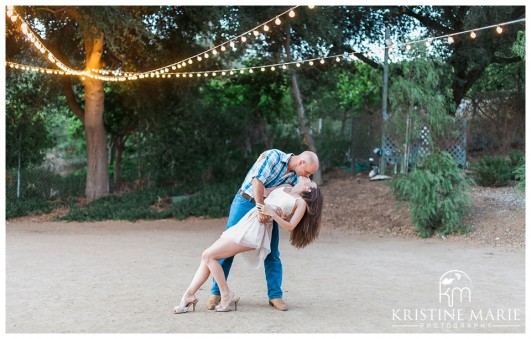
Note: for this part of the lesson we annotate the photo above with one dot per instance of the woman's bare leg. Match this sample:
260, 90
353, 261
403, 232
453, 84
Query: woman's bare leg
200, 276
222, 248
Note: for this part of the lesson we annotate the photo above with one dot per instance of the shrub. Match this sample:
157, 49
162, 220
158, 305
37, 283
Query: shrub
492, 171
213, 200
437, 194
516, 159
519, 174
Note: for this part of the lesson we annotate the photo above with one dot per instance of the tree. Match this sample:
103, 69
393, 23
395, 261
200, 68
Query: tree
113, 37
470, 57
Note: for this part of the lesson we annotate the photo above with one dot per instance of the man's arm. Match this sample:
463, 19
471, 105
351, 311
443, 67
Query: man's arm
258, 193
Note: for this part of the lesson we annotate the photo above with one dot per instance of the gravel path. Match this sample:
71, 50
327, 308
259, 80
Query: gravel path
122, 277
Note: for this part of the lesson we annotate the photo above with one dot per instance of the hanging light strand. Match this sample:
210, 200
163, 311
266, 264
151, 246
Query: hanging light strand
450, 37
223, 46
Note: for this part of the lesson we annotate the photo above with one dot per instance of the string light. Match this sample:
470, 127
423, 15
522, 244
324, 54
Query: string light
499, 29
473, 35
266, 27
277, 21
164, 71
291, 14
450, 39
311, 6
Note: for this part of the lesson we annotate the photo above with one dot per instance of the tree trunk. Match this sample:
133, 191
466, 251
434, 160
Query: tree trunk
97, 167
97, 171
120, 146
305, 130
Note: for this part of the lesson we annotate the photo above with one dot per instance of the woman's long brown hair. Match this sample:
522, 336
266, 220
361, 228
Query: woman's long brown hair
307, 230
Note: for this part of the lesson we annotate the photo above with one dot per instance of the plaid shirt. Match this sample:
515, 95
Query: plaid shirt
269, 169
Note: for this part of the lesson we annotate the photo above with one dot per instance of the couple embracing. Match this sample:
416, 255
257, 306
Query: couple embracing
276, 192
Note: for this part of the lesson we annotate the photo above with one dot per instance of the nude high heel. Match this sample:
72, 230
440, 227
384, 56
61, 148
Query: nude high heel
234, 302
184, 309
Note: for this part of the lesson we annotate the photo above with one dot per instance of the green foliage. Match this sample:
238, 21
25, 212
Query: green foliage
27, 135
212, 200
127, 206
40, 191
519, 45
516, 158
519, 174
492, 171
437, 194
422, 93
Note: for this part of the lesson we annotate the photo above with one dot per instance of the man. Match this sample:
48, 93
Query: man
271, 169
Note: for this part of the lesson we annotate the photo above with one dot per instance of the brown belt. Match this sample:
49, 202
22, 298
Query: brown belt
246, 196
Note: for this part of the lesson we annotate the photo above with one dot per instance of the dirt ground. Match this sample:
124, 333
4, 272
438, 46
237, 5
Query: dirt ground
368, 272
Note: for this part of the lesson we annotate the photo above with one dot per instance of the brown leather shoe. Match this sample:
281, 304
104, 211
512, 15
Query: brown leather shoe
213, 301
279, 304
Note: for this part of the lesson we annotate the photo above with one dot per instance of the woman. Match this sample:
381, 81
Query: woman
303, 202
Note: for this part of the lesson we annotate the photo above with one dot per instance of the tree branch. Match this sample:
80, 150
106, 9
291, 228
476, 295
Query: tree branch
505, 61
71, 99
426, 21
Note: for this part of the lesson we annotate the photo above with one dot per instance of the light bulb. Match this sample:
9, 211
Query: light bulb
272, 68
499, 29
256, 33
322, 61
277, 21
214, 52
262, 69
190, 75
408, 47
184, 64
190, 61
428, 44
24, 28
311, 6
232, 44
223, 73
9, 13
298, 64
266, 28
199, 58
244, 39
311, 63
284, 67
251, 71
473, 35
165, 70
223, 48
198, 75
241, 72
291, 14
337, 59
214, 74
173, 67
14, 18
207, 56
450, 39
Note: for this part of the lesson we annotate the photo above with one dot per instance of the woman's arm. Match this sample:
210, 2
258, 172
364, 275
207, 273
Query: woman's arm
287, 225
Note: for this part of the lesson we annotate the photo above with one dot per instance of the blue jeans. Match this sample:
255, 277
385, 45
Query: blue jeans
272, 263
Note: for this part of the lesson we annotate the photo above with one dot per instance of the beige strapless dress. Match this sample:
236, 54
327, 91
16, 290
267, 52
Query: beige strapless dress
250, 232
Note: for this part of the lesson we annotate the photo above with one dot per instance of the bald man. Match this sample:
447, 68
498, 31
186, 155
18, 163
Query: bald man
272, 168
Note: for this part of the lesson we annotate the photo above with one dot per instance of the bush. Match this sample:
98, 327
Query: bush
492, 171
519, 174
437, 194
516, 159
41, 191
213, 200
